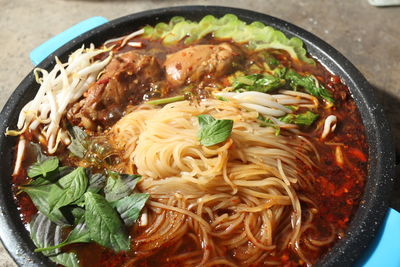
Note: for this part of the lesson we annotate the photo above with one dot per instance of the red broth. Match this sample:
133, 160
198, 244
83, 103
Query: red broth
337, 189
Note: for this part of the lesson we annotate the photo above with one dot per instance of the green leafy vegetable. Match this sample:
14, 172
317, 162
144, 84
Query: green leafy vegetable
165, 101
75, 213
97, 181
51, 177
119, 185
57, 192
39, 196
78, 145
36, 150
297, 81
68, 189
43, 168
129, 207
80, 234
213, 131
45, 233
272, 61
104, 224
258, 82
257, 35
304, 119
264, 122
280, 72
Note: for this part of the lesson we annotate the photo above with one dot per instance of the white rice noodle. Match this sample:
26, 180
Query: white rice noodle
63, 85
329, 126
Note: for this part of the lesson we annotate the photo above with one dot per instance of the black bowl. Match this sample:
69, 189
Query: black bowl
374, 204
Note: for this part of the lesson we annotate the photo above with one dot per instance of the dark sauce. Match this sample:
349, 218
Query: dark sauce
337, 189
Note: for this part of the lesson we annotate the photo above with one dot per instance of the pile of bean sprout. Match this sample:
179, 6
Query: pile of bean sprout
63, 85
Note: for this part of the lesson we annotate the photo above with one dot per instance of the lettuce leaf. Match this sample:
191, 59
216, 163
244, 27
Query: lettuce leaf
257, 35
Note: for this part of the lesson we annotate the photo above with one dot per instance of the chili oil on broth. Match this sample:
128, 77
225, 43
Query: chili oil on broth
335, 192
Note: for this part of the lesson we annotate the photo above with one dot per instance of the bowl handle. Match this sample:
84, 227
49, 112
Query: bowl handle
385, 250
41, 52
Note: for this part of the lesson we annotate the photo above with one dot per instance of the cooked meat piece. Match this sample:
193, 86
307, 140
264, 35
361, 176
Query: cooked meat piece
125, 80
193, 63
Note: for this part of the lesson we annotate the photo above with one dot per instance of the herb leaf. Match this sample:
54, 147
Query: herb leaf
213, 131
97, 182
36, 151
304, 119
308, 83
104, 224
78, 142
80, 234
258, 82
68, 189
119, 185
39, 197
129, 207
43, 168
52, 176
45, 233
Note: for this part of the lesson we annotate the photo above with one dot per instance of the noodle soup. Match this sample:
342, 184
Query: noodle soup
210, 143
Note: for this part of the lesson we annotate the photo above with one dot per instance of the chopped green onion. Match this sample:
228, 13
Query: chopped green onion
167, 100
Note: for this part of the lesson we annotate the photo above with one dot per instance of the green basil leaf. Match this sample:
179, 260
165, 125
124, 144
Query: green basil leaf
213, 131
258, 82
68, 189
97, 182
297, 81
43, 168
45, 233
80, 234
129, 207
78, 145
105, 226
304, 119
35, 151
205, 120
51, 177
119, 185
39, 196
74, 213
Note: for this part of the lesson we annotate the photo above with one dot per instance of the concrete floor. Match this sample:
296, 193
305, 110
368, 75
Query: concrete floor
368, 36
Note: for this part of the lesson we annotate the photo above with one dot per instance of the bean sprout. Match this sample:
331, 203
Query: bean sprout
329, 126
262, 103
63, 85
125, 38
